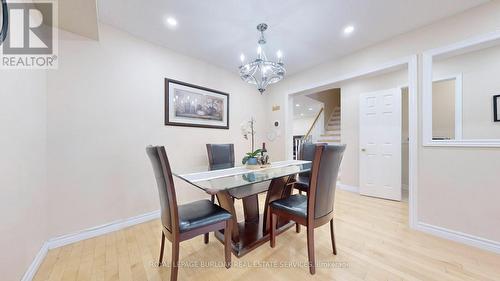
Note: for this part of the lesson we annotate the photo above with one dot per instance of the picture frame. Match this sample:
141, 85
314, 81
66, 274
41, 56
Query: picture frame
190, 105
496, 108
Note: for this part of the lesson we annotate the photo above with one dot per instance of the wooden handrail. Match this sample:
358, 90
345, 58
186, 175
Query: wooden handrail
313, 124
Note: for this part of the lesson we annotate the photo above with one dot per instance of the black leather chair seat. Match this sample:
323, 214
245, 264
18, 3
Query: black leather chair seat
295, 204
200, 213
302, 183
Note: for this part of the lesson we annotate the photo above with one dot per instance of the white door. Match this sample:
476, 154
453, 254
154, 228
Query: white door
380, 144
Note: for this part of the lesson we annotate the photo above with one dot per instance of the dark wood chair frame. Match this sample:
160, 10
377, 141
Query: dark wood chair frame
301, 157
175, 236
310, 222
211, 164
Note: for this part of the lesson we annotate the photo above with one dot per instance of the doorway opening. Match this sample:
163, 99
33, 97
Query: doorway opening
316, 118
388, 76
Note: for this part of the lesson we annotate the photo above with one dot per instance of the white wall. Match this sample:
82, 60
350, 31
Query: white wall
105, 105
443, 109
458, 187
23, 189
302, 125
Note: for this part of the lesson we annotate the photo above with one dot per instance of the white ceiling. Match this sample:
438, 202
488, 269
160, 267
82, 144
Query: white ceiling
308, 107
307, 32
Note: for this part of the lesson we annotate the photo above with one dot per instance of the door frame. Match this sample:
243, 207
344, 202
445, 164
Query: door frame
411, 63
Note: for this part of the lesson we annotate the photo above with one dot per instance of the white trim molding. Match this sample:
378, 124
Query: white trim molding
460, 237
35, 264
63, 240
472, 44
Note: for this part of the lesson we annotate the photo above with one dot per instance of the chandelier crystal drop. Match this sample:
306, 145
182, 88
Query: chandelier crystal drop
261, 71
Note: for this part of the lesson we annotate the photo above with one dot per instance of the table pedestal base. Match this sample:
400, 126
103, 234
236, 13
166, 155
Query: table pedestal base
254, 230
251, 236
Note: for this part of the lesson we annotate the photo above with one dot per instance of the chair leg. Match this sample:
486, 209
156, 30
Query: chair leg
227, 242
274, 219
206, 237
297, 226
162, 247
333, 238
174, 268
310, 249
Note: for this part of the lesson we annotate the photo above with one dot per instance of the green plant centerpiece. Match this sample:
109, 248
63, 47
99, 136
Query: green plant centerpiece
252, 158
256, 157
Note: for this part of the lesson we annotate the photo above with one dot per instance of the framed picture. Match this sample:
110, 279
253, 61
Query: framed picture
496, 108
194, 106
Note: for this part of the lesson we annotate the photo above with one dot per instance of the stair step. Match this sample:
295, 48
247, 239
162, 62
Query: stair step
331, 134
329, 141
333, 123
330, 137
333, 127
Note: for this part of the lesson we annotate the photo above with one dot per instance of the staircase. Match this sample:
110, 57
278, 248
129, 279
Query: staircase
332, 129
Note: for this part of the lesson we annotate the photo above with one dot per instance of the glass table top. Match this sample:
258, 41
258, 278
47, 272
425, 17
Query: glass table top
223, 177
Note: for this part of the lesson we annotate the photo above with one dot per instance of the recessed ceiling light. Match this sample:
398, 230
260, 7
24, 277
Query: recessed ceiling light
297, 105
310, 108
172, 21
302, 114
348, 29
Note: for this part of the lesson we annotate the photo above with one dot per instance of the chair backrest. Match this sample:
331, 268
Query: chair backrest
323, 181
166, 189
220, 156
307, 151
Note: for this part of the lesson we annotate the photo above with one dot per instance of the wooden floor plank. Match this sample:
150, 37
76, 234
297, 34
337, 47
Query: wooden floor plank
374, 242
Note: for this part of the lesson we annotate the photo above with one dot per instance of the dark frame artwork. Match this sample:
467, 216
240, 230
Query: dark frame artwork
213, 106
496, 108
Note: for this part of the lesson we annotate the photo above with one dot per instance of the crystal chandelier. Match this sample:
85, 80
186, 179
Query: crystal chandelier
261, 71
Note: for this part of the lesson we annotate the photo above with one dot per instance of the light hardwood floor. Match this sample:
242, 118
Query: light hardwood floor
373, 242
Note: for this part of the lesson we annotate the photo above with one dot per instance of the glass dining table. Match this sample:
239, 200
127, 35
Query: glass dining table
230, 183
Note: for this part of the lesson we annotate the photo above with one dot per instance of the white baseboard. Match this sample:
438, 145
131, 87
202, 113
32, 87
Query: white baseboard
35, 264
82, 235
100, 230
346, 187
460, 237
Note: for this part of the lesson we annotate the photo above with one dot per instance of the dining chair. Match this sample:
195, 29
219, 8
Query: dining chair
220, 156
315, 209
186, 221
301, 182
306, 153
